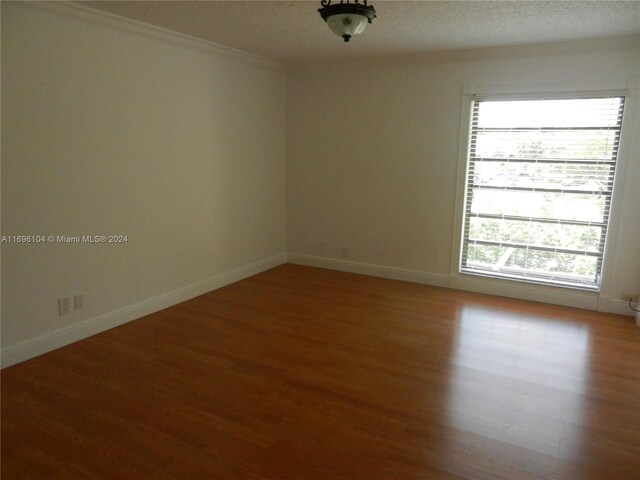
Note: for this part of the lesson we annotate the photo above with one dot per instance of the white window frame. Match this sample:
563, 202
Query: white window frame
521, 288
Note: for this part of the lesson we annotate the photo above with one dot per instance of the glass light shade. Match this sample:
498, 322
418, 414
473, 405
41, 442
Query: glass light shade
347, 24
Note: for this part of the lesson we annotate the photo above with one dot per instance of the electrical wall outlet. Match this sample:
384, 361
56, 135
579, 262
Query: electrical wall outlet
78, 302
345, 252
63, 306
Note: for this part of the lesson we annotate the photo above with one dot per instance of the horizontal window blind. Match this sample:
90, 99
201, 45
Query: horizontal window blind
538, 188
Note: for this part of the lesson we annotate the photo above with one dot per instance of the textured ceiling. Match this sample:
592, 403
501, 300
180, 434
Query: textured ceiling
293, 30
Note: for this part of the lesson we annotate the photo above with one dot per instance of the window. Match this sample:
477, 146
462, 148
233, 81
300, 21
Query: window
538, 188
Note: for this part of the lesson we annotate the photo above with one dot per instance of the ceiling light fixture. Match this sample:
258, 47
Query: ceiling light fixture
347, 18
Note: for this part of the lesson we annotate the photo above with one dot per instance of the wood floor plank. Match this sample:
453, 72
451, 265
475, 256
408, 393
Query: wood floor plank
304, 373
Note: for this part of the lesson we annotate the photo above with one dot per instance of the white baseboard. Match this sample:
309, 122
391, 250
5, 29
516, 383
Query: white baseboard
45, 343
556, 296
619, 306
415, 276
526, 291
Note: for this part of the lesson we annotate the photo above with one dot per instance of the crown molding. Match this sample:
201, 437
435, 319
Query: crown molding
630, 43
92, 16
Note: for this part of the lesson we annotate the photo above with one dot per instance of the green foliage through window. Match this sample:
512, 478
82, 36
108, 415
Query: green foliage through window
539, 186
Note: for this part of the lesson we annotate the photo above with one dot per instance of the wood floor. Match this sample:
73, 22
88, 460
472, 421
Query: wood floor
303, 373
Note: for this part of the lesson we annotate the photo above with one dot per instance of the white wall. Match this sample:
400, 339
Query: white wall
373, 157
109, 127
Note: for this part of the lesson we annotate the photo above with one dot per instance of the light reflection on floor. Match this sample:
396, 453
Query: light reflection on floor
520, 379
